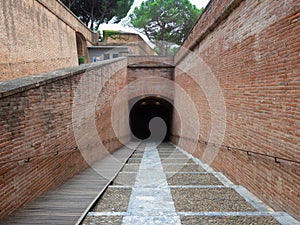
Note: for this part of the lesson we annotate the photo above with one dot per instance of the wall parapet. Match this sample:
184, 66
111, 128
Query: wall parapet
56, 124
12, 87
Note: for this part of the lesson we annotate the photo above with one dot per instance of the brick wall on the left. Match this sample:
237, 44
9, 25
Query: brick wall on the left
38, 36
36, 123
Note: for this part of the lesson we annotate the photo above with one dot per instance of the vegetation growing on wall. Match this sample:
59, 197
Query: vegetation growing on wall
81, 60
115, 35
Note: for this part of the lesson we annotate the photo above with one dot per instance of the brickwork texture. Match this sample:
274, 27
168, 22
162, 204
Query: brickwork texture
252, 49
38, 36
40, 146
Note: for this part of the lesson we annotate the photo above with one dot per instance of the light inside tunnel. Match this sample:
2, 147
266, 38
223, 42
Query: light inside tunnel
143, 110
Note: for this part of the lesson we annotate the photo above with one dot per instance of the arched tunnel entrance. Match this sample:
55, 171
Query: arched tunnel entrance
143, 110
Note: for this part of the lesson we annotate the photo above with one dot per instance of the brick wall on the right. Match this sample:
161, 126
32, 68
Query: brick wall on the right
253, 52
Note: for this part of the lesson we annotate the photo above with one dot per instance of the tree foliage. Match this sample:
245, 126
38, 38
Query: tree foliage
165, 21
95, 12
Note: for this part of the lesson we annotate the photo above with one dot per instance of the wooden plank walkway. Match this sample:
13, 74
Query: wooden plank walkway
67, 203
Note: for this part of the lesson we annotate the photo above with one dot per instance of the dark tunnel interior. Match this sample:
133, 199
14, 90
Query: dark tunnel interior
143, 110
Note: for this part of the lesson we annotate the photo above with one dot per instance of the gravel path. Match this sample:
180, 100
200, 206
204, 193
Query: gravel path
165, 185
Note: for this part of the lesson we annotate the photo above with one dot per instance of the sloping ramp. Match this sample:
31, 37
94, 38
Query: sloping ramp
68, 202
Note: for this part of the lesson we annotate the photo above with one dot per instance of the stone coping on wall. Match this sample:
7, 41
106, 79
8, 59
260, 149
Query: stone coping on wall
15, 86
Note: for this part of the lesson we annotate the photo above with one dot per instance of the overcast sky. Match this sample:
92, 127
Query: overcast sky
137, 3
198, 3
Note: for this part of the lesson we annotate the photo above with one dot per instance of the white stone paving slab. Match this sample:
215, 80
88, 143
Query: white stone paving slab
151, 200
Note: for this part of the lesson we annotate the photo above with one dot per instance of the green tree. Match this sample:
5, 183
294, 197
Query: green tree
165, 21
95, 12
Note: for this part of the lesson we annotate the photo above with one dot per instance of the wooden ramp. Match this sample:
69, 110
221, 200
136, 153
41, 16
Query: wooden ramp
68, 203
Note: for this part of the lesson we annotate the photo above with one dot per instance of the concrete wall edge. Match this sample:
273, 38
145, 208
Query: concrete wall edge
18, 85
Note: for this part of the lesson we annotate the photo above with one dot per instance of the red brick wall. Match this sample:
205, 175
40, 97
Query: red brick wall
37, 36
252, 49
150, 60
36, 119
140, 67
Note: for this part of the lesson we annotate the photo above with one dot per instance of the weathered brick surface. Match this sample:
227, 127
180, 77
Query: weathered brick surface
150, 60
68, 17
37, 36
250, 47
38, 121
140, 67
253, 52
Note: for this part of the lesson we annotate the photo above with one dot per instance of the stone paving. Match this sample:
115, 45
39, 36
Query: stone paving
166, 185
